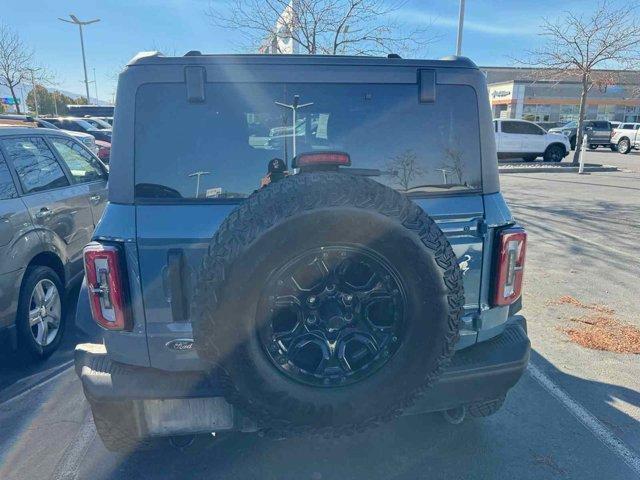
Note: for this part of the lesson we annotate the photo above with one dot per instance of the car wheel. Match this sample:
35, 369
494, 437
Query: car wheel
593, 146
614, 148
40, 319
554, 153
319, 296
624, 146
572, 142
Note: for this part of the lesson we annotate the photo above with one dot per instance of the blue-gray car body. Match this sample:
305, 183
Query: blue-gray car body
148, 230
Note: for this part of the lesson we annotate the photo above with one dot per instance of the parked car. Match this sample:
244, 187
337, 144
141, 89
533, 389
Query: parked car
98, 123
548, 125
88, 140
598, 133
626, 137
526, 140
104, 151
331, 298
52, 194
81, 125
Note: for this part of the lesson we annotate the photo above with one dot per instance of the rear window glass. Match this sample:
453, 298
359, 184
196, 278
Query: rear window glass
601, 125
220, 149
7, 188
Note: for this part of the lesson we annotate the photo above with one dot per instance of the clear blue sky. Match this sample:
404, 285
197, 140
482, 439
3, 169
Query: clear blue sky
494, 31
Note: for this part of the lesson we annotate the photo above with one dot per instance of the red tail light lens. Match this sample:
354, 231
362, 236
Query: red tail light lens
103, 270
322, 158
510, 266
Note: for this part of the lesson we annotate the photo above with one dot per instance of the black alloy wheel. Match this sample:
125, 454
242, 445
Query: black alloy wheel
333, 315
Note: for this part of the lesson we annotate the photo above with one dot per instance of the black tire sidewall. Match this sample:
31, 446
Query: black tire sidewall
26, 342
547, 155
423, 339
226, 299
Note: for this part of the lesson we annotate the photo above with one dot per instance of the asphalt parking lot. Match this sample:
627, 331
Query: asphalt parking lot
574, 415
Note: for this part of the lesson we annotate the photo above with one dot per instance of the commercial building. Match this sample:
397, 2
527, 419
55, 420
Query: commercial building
526, 94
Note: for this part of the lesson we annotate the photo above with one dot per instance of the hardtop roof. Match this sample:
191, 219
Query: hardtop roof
196, 58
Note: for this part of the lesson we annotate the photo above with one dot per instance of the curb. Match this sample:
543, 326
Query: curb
594, 168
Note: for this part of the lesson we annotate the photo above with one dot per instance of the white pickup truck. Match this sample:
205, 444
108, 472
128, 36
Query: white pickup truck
526, 140
626, 137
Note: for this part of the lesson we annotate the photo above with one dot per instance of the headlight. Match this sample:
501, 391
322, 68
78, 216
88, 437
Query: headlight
566, 132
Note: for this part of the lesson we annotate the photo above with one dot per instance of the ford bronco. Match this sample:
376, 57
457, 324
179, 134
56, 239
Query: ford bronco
299, 245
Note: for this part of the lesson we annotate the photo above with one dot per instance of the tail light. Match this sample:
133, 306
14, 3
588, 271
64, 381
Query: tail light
104, 153
322, 159
509, 269
105, 280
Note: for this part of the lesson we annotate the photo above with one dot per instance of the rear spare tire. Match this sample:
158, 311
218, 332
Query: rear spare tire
330, 301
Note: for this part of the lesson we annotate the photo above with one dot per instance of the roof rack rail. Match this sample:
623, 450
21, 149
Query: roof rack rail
393, 55
193, 53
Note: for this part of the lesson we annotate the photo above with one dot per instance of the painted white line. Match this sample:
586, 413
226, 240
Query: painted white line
596, 427
41, 384
69, 464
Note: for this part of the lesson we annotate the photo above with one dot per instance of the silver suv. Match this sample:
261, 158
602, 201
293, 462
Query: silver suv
52, 193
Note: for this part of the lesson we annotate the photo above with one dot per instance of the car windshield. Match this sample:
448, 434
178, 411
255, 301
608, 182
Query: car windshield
224, 151
98, 123
45, 124
572, 124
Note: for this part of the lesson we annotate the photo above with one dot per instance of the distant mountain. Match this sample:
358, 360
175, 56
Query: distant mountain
26, 88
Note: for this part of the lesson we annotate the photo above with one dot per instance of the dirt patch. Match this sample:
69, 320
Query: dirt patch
601, 332
569, 300
599, 329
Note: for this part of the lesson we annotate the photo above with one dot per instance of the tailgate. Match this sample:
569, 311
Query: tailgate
172, 241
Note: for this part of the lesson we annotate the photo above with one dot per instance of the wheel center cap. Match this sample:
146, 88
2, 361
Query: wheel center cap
43, 311
335, 323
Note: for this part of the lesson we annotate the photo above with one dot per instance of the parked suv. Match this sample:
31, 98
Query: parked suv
526, 140
81, 125
626, 137
598, 133
52, 193
88, 140
324, 283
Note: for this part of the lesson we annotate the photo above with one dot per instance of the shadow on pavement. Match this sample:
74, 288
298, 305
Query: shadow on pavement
533, 436
15, 368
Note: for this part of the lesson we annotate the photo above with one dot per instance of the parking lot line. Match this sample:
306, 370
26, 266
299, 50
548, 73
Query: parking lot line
596, 427
63, 368
69, 464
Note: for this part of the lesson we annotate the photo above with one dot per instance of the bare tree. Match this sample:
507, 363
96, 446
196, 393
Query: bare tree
15, 59
332, 27
581, 46
404, 168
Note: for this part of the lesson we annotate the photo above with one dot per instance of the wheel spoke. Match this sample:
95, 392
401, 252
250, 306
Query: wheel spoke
38, 294
43, 332
54, 320
51, 297
34, 316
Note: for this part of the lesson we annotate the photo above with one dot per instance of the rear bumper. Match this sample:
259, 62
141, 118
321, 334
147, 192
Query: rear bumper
485, 371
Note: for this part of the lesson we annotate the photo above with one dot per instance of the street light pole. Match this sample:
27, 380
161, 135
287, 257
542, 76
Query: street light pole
294, 108
74, 20
460, 27
95, 86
